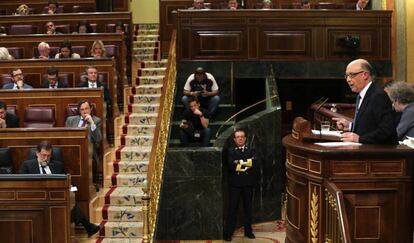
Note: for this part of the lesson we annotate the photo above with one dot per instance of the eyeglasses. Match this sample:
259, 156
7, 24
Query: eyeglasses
17, 74
352, 75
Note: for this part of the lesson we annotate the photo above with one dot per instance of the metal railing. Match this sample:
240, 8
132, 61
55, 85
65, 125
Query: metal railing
336, 222
159, 146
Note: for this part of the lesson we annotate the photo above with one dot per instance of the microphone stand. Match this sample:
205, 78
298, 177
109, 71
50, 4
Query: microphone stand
314, 116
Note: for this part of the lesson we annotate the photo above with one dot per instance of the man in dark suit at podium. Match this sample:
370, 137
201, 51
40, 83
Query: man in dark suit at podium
241, 180
373, 122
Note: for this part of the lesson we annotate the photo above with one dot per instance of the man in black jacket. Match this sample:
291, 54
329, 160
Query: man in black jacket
241, 180
44, 165
374, 120
7, 120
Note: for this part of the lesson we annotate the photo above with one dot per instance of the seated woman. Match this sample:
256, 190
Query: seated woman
98, 49
65, 51
22, 10
4, 54
83, 27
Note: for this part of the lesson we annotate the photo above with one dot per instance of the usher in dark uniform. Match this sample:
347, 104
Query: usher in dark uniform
241, 185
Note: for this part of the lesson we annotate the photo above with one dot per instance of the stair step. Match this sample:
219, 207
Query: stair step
148, 89
146, 57
224, 112
143, 140
122, 229
158, 79
147, 38
145, 50
137, 130
121, 213
123, 196
147, 32
145, 99
142, 44
143, 108
152, 71
141, 118
125, 180
134, 153
126, 167
148, 64
147, 26
214, 126
119, 240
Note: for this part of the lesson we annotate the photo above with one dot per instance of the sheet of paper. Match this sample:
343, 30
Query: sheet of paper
338, 144
329, 133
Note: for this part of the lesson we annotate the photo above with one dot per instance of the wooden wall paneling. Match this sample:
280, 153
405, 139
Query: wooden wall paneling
376, 181
120, 5
282, 34
76, 152
35, 219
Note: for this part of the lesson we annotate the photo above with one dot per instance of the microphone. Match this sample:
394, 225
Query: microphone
316, 111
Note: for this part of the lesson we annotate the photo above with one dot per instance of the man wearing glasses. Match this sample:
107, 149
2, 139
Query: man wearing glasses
373, 121
18, 80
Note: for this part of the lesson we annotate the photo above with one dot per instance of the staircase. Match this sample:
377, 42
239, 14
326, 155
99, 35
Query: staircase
118, 206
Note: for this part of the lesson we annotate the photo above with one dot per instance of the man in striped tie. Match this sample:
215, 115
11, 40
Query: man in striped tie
373, 122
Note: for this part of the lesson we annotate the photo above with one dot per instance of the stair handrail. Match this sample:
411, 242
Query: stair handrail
274, 96
336, 224
159, 146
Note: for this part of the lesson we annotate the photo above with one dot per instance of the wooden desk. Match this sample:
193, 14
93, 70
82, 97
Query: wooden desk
35, 208
76, 153
282, 35
376, 182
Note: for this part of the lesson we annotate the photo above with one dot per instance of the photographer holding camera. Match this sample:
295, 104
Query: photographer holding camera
194, 126
203, 86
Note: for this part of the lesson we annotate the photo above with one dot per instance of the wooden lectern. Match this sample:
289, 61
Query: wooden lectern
347, 193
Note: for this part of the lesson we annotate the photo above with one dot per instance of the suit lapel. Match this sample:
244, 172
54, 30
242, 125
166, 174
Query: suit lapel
364, 103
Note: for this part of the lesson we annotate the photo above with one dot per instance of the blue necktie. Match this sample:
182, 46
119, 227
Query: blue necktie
358, 99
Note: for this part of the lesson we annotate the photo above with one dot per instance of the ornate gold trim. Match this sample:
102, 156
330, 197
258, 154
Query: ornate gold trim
314, 215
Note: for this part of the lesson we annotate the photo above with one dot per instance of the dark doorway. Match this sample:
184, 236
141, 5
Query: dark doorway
296, 96
247, 92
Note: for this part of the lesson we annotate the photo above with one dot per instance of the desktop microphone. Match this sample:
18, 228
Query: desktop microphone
314, 114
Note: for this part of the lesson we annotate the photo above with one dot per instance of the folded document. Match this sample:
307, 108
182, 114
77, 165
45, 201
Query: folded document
337, 144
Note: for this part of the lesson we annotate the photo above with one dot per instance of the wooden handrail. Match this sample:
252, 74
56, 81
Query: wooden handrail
334, 198
159, 146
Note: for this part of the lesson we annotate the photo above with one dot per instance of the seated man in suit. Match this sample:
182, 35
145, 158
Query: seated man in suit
374, 119
93, 82
44, 51
44, 165
52, 81
7, 120
197, 4
51, 29
18, 80
93, 124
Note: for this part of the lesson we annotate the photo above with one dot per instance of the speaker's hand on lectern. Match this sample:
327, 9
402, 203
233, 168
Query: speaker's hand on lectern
350, 137
341, 123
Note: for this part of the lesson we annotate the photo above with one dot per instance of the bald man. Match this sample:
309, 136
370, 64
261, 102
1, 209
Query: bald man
373, 122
